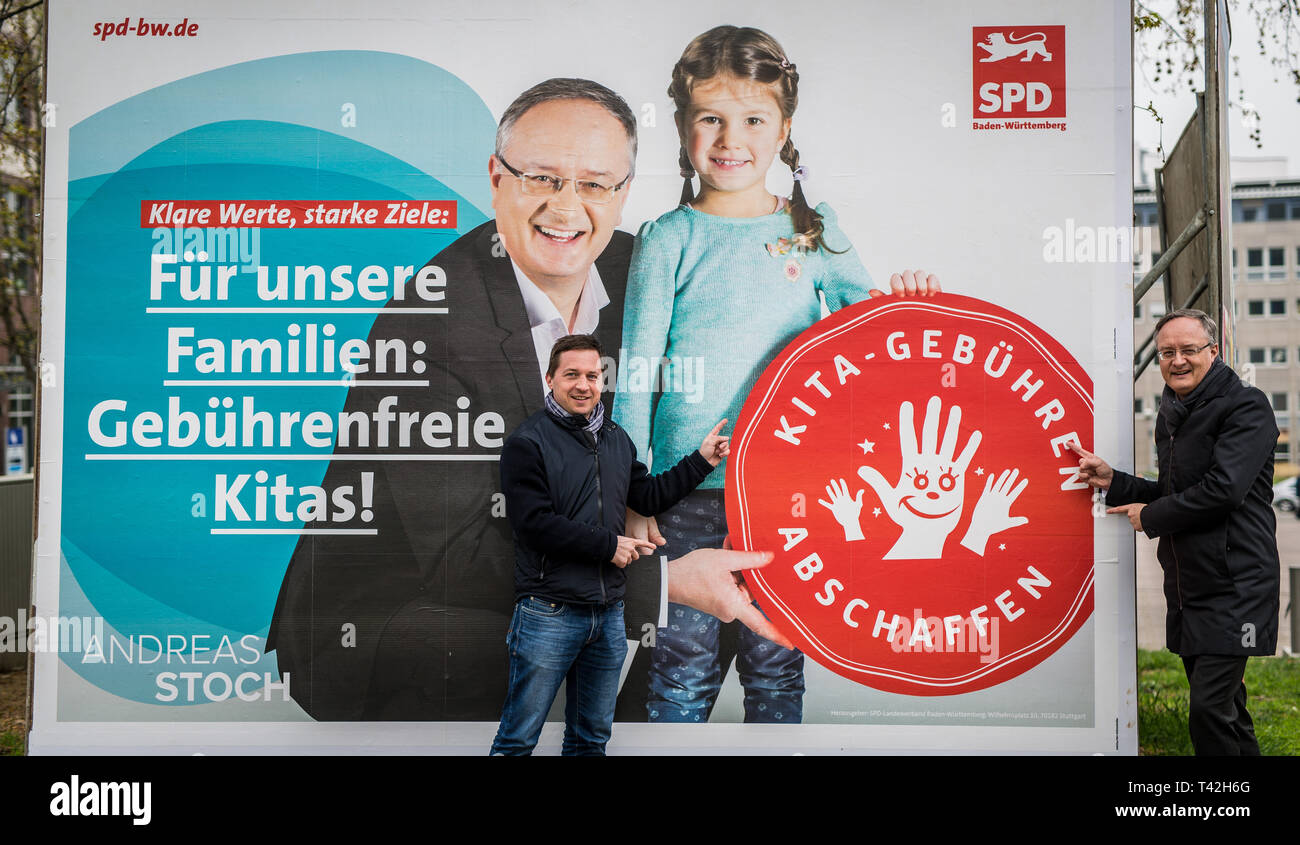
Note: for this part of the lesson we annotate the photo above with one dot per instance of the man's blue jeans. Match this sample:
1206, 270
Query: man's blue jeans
550, 642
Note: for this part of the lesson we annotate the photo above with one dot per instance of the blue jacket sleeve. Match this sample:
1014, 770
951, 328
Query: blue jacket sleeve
532, 516
650, 495
647, 316
843, 280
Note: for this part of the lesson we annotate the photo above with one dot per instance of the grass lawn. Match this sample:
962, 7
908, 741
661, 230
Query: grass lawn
1273, 686
11, 744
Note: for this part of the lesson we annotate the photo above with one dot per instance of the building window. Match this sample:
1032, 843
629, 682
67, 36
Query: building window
1277, 262
21, 410
1249, 214
1157, 309
1277, 355
21, 267
1275, 211
1137, 405
1256, 355
1137, 311
1282, 453
1255, 264
1265, 308
1278, 400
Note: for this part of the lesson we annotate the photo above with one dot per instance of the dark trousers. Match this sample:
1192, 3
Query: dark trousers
1219, 723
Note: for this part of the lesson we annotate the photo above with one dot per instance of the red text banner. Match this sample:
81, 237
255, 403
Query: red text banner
299, 214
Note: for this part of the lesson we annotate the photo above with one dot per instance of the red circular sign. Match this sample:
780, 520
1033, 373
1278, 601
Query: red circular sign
907, 462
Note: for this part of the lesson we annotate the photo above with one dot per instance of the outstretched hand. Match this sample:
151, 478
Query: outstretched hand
845, 508
911, 283
1133, 512
716, 446
926, 502
709, 580
629, 549
1092, 469
992, 514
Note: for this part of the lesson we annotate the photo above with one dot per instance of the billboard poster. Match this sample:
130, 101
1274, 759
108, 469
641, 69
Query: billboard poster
299, 290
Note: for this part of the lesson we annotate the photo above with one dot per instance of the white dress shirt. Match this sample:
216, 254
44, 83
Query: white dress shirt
549, 325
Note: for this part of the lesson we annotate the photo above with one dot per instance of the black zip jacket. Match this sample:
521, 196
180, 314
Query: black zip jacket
567, 498
1212, 510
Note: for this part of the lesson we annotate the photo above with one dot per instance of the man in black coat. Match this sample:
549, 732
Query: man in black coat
570, 475
1212, 510
407, 622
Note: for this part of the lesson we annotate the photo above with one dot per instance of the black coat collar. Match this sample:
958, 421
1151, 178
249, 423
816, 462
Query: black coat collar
1175, 410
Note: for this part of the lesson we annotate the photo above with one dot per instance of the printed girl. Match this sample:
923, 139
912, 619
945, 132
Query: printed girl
718, 286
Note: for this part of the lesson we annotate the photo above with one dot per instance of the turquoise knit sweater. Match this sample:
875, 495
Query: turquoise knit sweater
706, 293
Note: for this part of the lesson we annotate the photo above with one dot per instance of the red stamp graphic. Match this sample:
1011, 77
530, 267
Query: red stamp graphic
1019, 71
907, 461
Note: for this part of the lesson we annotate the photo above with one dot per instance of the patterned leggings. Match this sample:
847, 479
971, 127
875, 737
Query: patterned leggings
693, 653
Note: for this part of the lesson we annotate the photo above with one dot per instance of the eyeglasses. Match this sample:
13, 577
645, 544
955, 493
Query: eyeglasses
545, 185
1185, 352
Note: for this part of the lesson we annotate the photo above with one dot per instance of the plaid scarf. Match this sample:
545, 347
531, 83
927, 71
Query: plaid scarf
591, 424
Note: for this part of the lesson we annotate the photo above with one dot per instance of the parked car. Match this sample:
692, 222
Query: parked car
1284, 497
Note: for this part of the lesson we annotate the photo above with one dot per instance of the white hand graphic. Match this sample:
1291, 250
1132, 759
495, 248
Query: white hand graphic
993, 511
845, 508
927, 500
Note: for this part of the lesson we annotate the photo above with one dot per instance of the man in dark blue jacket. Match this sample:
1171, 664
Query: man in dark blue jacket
1211, 509
569, 475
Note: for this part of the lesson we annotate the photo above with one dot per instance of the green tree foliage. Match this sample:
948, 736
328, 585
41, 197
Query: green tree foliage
1169, 46
21, 98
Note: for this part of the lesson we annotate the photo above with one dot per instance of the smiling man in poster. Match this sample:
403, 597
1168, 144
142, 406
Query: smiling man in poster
407, 625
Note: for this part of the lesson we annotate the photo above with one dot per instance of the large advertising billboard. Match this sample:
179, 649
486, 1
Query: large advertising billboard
299, 290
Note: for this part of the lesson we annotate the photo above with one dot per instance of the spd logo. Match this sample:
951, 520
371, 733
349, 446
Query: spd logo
1019, 71
907, 463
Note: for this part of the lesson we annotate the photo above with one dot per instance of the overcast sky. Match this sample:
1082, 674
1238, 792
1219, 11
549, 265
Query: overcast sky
1275, 100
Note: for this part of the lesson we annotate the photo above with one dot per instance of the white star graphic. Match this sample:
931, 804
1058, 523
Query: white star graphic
867, 446
886, 426
1002, 547
875, 511
979, 470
